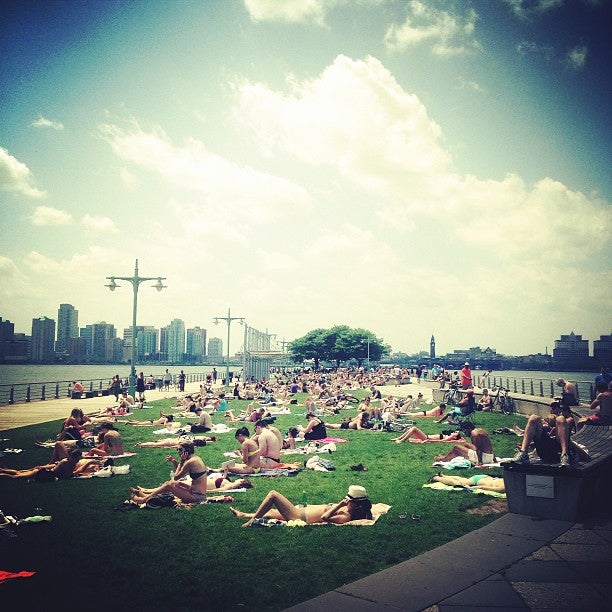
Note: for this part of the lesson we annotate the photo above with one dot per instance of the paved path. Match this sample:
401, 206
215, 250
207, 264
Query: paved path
514, 563
21, 415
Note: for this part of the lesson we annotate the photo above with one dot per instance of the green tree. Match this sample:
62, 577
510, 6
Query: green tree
338, 344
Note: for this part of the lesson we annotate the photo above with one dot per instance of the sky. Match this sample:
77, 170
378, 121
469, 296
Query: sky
408, 167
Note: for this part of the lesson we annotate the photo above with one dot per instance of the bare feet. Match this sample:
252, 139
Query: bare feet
248, 523
238, 513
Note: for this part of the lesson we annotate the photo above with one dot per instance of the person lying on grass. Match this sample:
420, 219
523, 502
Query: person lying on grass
478, 481
167, 420
355, 505
215, 482
63, 468
438, 411
172, 442
415, 435
190, 464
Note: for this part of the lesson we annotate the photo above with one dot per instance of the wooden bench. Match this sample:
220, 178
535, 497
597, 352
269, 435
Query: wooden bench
564, 493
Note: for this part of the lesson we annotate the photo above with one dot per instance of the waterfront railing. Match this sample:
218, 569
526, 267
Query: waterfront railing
23, 393
537, 387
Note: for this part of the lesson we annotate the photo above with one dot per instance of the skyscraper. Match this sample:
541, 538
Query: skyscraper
196, 344
432, 347
215, 350
176, 341
67, 327
43, 339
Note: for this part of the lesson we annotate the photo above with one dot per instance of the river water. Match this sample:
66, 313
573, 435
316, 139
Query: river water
13, 374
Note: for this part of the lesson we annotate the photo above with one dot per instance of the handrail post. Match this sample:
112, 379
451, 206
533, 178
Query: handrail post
515, 385
56, 390
12, 395
42, 393
523, 386
531, 386
28, 391
552, 389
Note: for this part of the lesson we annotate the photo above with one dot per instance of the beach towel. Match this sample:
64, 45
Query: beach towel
165, 431
377, 511
440, 486
4, 576
328, 440
275, 472
457, 463
221, 428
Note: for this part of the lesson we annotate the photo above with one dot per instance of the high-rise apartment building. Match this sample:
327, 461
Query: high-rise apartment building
43, 339
602, 350
215, 350
67, 327
163, 343
176, 341
99, 339
196, 344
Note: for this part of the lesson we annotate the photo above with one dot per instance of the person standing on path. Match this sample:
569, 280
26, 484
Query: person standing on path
466, 376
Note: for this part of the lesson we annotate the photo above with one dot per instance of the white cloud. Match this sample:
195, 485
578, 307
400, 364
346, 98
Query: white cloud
447, 32
290, 11
526, 46
46, 215
16, 176
525, 9
99, 224
467, 84
239, 189
43, 122
575, 58
354, 118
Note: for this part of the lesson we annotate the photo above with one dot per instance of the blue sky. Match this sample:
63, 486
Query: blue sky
410, 167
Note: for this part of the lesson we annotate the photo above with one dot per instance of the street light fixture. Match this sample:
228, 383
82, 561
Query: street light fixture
135, 280
228, 320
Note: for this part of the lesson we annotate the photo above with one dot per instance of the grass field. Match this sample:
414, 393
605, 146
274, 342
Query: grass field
200, 558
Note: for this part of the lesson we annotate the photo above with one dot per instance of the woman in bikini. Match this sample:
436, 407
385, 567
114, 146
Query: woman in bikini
171, 442
249, 452
478, 481
355, 505
414, 434
190, 465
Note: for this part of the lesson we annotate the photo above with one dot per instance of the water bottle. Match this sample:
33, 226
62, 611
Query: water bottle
304, 499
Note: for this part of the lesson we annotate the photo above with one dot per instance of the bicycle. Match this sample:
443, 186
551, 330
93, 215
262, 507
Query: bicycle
503, 401
452, 396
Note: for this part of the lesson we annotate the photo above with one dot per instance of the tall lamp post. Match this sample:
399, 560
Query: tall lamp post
135, 280
228, 320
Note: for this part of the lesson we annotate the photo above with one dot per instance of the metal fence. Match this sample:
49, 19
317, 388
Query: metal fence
40, 391
538, 387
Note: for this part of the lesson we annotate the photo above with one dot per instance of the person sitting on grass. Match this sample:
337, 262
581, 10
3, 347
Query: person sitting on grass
62, 468
190, 465
249, 453
478, 451
315, 430
355, 505
109, 442
477, 481
484, 403
414, 434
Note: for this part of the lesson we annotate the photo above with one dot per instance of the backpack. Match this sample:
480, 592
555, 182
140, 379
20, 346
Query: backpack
162, 500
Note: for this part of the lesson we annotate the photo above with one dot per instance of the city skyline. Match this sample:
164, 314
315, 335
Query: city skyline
401, 166
176, 340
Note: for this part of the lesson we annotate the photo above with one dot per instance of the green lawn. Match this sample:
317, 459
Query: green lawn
200, 558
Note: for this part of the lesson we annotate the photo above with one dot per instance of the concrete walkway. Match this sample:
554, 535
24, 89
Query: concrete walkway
514, 563
21, 415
